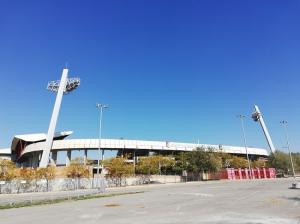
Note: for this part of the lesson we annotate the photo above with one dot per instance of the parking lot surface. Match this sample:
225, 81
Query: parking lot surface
257, 201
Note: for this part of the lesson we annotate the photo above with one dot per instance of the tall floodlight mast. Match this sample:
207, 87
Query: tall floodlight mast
62, 86
257, 116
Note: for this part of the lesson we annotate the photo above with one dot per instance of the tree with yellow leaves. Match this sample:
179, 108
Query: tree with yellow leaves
154, 164
47, 173
77, 169
118, 168
8, 170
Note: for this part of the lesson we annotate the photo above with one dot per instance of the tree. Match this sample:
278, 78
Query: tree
238, 162
226, 159
27, 174
154, 165
181, 162
296, 160
47, 173
280, 161
118, 168
260, 163
77, 169
8, 170
202, 160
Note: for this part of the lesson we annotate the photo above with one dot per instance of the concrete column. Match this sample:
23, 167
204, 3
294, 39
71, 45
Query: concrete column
39, 157
53, 158
85, 156
102, 155
134, 161
68, 158
134, 158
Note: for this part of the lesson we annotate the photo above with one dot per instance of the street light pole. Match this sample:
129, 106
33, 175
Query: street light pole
101, 107
284, 124
245, 142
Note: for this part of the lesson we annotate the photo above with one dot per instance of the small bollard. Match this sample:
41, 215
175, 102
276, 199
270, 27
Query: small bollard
296, 185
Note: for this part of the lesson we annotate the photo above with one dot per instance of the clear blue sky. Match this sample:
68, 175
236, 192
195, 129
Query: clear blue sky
169, 70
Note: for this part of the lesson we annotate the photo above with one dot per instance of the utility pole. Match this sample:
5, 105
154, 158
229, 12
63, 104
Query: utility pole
245, 142
101, 107
284, 124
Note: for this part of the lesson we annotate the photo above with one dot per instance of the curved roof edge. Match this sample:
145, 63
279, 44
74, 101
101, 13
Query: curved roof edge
116, 144
38, 137
5, 151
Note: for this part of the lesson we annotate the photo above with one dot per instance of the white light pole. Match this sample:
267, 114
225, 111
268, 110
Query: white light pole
284, 124
101, 107
63, 86
245, 142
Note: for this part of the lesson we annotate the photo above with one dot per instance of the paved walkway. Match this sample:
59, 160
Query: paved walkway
40, 196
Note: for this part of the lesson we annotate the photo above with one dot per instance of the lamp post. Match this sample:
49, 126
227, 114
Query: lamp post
101, 107
245, 142
284, 124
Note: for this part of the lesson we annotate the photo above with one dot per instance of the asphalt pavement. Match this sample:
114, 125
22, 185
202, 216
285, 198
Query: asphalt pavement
238, 202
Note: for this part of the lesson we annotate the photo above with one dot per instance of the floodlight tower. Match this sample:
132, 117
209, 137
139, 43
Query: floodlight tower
257, 116
63, 86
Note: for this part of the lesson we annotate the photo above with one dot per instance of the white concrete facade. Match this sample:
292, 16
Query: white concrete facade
118, 144
5, 153
29, 148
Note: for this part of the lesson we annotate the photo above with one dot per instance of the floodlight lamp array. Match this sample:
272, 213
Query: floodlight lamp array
72, 84
100, 105
256, 116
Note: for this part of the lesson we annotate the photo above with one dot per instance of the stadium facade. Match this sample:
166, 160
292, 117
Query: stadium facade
26, 150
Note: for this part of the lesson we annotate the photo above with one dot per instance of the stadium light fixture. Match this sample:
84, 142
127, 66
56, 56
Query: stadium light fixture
72, 84
257, 117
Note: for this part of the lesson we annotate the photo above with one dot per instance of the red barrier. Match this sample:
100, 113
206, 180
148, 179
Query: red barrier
228, 174
257, 173
237, 174
240, 174
272, 173
263, 173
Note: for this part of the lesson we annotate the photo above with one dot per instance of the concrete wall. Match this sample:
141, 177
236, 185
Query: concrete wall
58, 184
139, 180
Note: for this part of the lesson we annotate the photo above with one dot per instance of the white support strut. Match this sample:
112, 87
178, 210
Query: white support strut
49, 140
257, 116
